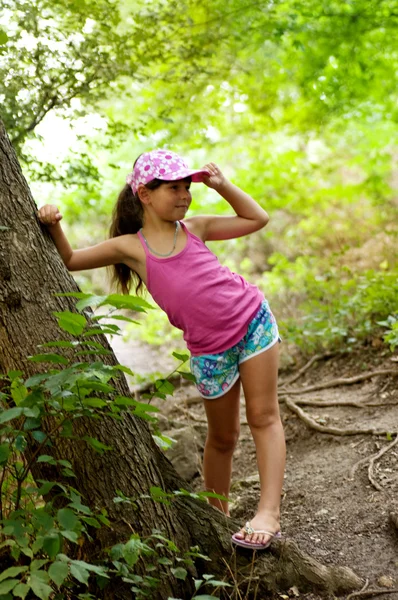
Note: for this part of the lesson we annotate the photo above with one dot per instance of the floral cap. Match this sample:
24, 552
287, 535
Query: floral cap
161, 164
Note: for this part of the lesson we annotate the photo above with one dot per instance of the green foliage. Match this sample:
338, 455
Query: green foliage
42, 522
391, 335
340, 309
295, 100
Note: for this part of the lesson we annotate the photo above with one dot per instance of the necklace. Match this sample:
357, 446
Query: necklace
174, 243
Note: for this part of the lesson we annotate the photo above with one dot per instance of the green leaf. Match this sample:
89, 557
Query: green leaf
165, 561
80, 573
71, 322
12, 572
126, 370
131, 302
187, 375
38, 583
14, 374
37, 564
8, 585
77, 504
21, 590
59, 344
94, 402
96, 444
46, 487
51, 358
163, 441
52, 544
131, 551
58, 572
94, 568
4, 454
163, 385
36, 379
206, 597
117, 318
217, 583
92, 522
182, 357
3, 40
179, 573
67, 518
71, 536
10, 414
95, 385
47, 459
91, 300
18, 391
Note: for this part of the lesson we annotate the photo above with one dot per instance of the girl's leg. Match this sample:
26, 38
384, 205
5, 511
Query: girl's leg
223, 432
259, 377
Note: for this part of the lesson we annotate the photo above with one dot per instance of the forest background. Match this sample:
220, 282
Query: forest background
296, 101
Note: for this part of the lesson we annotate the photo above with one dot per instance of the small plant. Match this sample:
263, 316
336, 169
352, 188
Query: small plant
391, 335
43, 522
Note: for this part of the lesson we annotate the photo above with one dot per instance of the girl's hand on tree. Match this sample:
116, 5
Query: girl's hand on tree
216, 178
49, 214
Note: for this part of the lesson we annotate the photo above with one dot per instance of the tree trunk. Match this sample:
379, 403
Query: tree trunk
31, 272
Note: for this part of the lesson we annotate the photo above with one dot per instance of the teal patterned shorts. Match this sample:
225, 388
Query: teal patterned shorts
216, 373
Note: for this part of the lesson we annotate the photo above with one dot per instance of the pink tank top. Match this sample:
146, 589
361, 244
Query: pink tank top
212, 305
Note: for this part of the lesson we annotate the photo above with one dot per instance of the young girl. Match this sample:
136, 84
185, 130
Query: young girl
227, 324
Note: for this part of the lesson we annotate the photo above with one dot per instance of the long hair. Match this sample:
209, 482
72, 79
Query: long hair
127, 217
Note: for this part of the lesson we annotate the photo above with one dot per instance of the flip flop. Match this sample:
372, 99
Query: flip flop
249, 530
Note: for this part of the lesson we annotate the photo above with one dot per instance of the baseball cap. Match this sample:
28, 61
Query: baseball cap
161, 164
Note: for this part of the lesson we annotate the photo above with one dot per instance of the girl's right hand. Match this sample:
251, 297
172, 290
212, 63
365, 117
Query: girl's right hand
49, 214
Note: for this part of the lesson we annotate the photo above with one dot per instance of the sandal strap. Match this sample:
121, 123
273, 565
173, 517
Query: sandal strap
249, 530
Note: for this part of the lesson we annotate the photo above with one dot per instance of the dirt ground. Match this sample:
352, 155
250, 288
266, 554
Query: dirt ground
338, 494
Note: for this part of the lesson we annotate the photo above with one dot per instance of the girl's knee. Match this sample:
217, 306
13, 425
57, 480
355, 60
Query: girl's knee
223, 442
263, 417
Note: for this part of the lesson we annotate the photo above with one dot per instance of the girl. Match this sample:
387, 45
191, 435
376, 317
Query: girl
227, 324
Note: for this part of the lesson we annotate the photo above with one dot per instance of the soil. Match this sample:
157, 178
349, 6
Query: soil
330, 506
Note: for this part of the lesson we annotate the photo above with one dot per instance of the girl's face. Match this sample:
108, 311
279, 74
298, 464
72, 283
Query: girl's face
172, 199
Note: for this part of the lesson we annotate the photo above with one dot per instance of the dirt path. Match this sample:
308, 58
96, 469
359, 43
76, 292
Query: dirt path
333, 506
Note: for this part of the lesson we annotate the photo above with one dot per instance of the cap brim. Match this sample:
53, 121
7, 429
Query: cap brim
196, 176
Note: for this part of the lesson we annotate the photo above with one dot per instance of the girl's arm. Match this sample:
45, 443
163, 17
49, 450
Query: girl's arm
106, 253
249, 216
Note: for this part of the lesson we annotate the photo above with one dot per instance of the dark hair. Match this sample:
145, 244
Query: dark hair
127, 217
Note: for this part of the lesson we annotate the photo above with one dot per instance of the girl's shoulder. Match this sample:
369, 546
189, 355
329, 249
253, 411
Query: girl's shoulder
131, 245
197, 226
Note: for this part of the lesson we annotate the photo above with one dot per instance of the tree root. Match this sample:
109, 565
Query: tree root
372, 459
295, 568
371, 593
305, 368
339, 381
342, 403
333, 430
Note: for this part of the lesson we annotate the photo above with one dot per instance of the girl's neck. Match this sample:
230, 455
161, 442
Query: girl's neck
157, 225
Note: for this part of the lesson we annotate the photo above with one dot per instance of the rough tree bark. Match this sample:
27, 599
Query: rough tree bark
31, 272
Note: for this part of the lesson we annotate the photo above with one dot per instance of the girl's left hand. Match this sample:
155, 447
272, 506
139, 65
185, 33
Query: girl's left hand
216, 178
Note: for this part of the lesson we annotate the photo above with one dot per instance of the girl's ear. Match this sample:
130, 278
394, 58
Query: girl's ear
144, 194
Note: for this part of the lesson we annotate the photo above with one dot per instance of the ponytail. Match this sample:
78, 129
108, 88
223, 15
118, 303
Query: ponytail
127, 217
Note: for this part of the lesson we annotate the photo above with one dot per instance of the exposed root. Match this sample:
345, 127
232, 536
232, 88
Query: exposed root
373, 460
305, 368
360, 591
371, 593
324, 429
297, 568
340, 381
